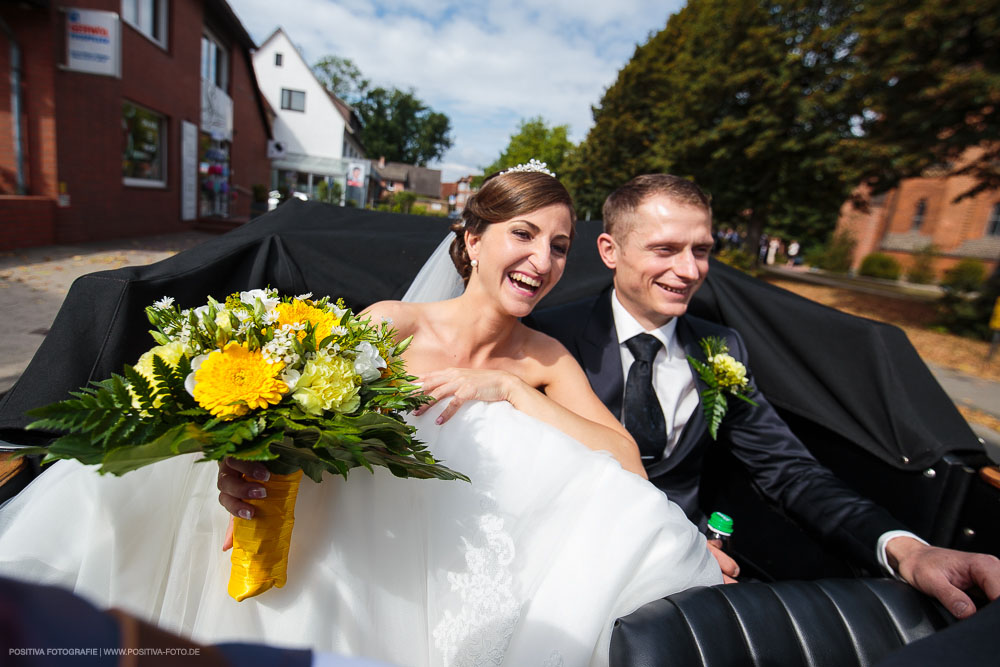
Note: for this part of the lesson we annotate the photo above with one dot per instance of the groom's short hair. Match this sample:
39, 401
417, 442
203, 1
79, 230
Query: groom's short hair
620, 206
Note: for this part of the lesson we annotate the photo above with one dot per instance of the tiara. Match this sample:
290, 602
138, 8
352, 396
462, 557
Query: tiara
530, 165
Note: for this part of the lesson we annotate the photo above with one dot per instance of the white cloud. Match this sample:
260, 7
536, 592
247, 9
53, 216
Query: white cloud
486, 64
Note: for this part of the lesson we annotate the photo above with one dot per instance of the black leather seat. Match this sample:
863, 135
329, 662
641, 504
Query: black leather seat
829, 623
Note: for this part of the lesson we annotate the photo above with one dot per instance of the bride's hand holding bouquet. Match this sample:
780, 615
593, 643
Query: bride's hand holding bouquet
300, 385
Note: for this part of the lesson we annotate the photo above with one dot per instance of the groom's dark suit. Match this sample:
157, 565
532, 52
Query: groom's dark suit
781, 466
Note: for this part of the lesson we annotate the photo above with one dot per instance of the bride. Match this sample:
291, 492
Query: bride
557, 535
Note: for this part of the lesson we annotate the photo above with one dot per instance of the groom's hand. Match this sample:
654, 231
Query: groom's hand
238, 482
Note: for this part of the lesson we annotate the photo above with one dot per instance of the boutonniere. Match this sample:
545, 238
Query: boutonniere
723, 375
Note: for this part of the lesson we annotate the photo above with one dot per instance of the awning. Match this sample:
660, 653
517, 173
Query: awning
311, 164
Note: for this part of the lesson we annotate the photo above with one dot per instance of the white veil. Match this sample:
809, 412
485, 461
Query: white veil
438, 278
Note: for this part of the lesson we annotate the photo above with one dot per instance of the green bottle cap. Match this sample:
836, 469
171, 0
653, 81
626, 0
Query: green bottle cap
721, 523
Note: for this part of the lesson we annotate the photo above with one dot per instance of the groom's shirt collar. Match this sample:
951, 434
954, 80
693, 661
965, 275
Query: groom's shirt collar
628, 327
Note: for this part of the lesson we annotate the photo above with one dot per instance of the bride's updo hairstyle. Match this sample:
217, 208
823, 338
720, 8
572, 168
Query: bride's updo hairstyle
505, 195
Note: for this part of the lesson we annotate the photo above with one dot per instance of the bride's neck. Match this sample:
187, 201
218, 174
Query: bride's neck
479, 328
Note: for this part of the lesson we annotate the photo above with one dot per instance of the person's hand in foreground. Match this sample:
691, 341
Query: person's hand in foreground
945, 574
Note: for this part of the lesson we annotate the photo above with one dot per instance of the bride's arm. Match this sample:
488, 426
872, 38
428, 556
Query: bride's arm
569, 390
567, 399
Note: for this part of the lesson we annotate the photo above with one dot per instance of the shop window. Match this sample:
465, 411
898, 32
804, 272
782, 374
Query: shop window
993, 224
213, 178
214, 62
144, 139
918, 215
293, 100
148, 17
277, 60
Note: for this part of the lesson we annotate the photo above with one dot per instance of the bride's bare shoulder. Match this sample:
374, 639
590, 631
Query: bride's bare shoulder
543, 347
405, 316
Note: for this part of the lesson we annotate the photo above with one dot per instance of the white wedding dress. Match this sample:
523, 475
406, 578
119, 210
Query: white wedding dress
530, 564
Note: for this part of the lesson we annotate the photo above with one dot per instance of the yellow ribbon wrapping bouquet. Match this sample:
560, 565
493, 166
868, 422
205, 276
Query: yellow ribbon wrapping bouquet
301, 384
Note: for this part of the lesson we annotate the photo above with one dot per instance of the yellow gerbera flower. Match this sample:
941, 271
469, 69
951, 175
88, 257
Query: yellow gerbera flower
301, 312
232, 381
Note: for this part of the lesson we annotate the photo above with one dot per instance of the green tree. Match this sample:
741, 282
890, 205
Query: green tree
329, 192
733, 94
921, 271
534, 139
342, 78
926, 88
398, 126
880, 265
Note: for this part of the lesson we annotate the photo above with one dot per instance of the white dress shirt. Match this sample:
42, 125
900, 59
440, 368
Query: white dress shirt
673, 382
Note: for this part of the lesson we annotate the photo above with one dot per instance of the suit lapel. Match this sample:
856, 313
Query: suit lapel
599, 354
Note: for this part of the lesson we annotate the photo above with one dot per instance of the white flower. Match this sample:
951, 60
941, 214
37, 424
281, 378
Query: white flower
195, 365
387, 320
267, 297
368, 362
303, 297
290, 376
271, 316
165, 302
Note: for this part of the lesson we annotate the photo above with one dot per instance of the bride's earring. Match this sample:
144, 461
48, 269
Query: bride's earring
474, 263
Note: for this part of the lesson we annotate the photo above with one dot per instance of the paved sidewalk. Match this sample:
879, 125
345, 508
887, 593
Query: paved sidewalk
34, 282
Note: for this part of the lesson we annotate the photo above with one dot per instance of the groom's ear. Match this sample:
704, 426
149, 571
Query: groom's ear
607, 248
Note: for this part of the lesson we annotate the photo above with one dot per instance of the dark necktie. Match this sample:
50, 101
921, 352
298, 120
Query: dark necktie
642, 415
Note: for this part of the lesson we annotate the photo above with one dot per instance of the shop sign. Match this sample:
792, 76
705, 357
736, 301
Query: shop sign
93, 42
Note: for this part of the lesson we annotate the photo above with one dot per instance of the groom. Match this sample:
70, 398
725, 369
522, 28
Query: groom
632, 342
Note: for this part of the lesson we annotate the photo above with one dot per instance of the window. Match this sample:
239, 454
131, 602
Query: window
144, 141
918, 215
214, 62
148, 17
294, 100
993, 224
277, 60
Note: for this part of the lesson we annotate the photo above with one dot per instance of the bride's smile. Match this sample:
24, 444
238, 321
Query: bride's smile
519, 261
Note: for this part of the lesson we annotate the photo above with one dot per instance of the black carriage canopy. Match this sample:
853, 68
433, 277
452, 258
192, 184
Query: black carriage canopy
858, 378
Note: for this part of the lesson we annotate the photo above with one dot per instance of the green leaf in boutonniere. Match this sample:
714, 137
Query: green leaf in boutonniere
723, 375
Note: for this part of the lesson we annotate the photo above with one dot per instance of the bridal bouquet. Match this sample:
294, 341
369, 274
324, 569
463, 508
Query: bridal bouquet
301, 384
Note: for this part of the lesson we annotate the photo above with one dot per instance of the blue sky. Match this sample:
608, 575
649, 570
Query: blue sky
485, 64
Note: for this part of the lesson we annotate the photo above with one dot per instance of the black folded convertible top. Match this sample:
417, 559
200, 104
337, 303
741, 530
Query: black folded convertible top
858, 378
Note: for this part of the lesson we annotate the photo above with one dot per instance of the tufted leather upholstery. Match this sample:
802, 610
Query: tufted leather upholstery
831, 622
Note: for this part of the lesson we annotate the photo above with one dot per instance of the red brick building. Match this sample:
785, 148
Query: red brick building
125, 117
922, 212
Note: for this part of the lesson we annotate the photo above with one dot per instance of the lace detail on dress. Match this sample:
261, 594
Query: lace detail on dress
555, 659
480, 632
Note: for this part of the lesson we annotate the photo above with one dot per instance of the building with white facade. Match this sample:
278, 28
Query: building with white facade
316, 135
